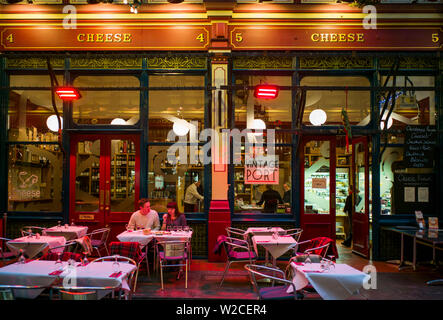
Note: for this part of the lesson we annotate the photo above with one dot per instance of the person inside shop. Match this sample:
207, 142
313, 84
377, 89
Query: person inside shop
145, 217
192, 197
174, 218
348, 210
287, 194
271, 198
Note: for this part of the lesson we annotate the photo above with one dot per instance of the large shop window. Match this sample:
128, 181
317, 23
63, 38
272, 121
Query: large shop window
110, 106
175, 182
408, 181
253, 113
29, 110
169, 108
263, 187
34, 169
356, 103
178, 112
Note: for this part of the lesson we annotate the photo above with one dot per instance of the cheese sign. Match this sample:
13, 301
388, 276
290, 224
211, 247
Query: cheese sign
262, 170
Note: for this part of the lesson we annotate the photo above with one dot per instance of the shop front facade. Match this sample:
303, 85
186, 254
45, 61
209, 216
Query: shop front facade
141, 75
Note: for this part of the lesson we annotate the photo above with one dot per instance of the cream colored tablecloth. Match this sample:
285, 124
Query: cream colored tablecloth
33, 245
70, 232
338, 283
276, 247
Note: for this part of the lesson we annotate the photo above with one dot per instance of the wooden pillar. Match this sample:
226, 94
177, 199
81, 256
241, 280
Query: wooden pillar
219, 212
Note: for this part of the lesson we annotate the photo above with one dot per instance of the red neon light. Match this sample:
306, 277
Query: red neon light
68, 93
266, 91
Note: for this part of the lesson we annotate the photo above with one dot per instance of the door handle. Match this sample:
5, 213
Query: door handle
107, 199
101, 199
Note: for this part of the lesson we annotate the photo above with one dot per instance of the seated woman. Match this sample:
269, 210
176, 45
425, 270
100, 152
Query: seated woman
173, 218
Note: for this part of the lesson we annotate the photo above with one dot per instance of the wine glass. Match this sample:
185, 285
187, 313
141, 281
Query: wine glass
179, 228
308, 258
116, 266
186, 228
59, 224
331, 262
58, 263
85, 260
21, 259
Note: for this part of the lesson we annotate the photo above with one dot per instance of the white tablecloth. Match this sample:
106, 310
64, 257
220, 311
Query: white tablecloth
263, 231
36, 273
276, 247
336, 284
135, 236
144, 239
70, 232
32, 246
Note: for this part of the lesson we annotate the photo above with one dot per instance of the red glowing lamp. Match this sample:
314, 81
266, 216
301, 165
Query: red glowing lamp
266, 91
68, 93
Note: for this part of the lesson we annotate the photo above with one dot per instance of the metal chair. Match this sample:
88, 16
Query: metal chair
274, 292
319, 245
133, 251
295, 233
99, 239
83, 293
236, 233
237, 251
31, 230
120, 259
169, 252
7, 291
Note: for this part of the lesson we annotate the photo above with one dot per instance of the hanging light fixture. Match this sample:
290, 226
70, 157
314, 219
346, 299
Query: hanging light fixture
52, 123
258, 124
317, 117
118, 122
180, 127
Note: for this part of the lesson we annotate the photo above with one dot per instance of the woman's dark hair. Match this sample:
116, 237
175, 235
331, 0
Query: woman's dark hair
174, 206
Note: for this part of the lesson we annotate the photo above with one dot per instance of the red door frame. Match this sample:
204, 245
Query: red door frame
319, 225
105, 216
360, 221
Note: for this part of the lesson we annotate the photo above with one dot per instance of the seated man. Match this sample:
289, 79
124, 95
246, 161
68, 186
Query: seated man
145, 217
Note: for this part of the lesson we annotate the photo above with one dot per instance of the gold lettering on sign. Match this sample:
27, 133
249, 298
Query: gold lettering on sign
104, 37
337, 37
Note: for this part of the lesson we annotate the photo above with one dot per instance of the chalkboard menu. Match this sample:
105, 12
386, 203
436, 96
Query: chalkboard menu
420, 142
414, 192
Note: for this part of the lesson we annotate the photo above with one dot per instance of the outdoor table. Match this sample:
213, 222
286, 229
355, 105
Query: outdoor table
431, 238
32, 245
276, 247
69, 232
136, 236
38, 273
337, 283
263, 231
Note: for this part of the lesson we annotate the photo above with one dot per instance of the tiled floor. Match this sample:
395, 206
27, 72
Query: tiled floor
204, 279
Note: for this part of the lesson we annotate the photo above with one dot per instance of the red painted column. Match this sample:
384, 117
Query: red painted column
219, 219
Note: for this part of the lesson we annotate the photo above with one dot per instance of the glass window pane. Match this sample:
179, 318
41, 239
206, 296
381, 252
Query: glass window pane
411, 107
169, 182
359, 200
251, 192
166, 107
102, 107
87, 178
34, 178
275, 114
332, 101
122, 175
29, 110
317, 177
